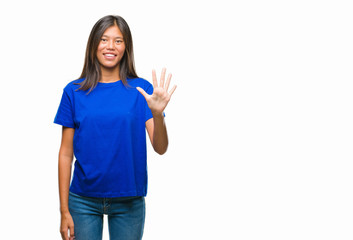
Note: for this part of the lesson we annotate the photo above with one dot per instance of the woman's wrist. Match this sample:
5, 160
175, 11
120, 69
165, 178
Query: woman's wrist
64, 210
157, 114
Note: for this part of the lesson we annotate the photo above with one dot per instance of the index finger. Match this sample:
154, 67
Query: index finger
154, 79
64, 235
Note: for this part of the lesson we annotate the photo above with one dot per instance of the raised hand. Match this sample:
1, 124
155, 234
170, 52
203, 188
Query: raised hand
160, 98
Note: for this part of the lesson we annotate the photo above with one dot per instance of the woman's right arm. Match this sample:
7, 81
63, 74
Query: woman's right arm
66, 154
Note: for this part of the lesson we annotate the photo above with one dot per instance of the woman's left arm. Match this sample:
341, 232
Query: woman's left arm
157, 102
157, 131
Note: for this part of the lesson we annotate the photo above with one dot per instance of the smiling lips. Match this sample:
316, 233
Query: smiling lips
109, 56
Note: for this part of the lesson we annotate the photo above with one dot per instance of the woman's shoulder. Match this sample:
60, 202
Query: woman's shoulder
74, 84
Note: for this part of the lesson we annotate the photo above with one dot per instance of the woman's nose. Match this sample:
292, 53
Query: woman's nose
110, 45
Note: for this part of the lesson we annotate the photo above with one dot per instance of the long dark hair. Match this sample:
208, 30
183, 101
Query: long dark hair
91, 68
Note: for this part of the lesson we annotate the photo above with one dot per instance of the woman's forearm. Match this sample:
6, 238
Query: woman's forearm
160, 136
66, 155
65, 164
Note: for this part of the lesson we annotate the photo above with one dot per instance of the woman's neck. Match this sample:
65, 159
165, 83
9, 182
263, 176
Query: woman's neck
110, 75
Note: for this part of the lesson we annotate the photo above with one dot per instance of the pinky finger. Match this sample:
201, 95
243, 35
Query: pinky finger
172, 90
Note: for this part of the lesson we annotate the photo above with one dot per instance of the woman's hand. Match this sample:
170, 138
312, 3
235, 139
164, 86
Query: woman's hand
158, 101
67, 224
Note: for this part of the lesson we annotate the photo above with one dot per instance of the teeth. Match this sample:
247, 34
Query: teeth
109, 55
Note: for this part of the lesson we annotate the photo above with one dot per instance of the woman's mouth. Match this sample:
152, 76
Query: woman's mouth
109, 56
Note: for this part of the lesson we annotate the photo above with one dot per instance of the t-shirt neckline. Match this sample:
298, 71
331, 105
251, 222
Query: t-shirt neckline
109, 84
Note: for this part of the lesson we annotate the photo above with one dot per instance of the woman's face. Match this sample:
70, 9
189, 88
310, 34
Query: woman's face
111, 48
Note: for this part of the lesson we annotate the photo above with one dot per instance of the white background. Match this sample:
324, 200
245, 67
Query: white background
260, 125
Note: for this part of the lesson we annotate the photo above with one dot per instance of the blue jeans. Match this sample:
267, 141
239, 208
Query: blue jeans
126, 217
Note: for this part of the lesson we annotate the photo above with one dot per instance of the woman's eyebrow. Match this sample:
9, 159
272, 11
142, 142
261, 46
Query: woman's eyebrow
109, 36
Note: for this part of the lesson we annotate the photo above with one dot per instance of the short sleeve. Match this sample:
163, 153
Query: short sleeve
65, 115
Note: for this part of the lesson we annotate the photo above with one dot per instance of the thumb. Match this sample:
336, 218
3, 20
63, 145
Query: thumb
72, 232
142, 92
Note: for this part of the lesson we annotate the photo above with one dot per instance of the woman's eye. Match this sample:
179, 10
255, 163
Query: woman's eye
119, 41
103, 40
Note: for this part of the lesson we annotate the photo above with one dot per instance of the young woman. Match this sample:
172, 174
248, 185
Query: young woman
104, 115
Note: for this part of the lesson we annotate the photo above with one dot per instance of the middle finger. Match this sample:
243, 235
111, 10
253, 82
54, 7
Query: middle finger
162, 78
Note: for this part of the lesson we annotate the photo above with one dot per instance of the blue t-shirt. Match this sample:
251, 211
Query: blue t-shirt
110, 137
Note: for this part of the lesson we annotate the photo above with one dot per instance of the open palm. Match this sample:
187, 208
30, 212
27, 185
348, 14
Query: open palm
160, 97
